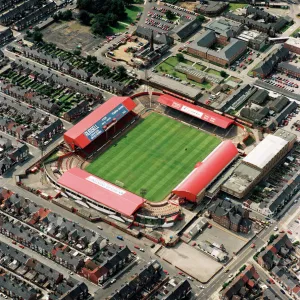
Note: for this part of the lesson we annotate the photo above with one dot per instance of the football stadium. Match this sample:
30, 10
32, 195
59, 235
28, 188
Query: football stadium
134, 165
154, 156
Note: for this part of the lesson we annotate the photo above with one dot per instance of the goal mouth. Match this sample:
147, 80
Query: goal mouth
119, 183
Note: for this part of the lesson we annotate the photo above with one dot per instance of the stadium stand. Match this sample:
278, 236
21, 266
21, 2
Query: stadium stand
99, 126
101, 192
193, 187
195, 111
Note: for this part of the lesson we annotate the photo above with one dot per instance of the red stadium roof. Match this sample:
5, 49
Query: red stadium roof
195, 111
93, 125
205, 172
101, 191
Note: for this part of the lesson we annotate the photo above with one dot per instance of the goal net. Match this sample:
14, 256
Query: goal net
119, 183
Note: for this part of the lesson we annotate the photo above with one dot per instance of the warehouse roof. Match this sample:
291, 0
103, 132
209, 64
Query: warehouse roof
195, 111
101, 191
93, 125
207, 171
265, 151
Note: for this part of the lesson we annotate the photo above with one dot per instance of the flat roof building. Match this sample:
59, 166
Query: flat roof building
259, 162
265, 152
225, 27
293, 45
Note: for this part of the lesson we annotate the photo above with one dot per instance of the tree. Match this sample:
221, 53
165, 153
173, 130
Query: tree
56, 17
111, 18
223, 74
201, 18
99, 24
28, 33
121, 70
84, 4
37, 36
243, 268
66, 15
77, 52
170, 15
84, 17
272, 238
180, 57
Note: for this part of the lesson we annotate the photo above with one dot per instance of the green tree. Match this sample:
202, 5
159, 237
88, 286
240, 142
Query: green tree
223, 74
112, 18
170, 15
66, 15
84, 4
84, 17
201, 18
243, 268
56, 17
272, 238
37, 36
180, 57
77, 52
99, 24
121, 70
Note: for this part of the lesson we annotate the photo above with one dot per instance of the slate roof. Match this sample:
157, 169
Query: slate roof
159, 38
23, 291
221, 207
226, 53
177, 291
187, 28
266, 67
279, 103
7, 32
259, 96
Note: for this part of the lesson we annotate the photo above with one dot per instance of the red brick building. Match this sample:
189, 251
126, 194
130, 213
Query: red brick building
230, 216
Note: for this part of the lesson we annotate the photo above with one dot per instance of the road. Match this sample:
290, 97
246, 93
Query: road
248, 252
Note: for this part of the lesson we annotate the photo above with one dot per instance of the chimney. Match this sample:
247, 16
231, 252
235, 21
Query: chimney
151, 41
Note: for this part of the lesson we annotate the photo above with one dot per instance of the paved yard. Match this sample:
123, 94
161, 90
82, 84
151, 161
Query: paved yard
231, 241
191, 261
68, 35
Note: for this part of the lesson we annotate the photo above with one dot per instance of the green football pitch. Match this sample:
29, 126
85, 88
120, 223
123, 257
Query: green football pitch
156, 155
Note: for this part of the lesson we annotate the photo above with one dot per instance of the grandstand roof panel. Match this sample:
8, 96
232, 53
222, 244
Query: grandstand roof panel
101, 191
93, 125
195, 111
206, 171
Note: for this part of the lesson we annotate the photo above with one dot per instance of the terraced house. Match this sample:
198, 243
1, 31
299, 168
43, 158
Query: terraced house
5, 35
35, 16
17, 12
